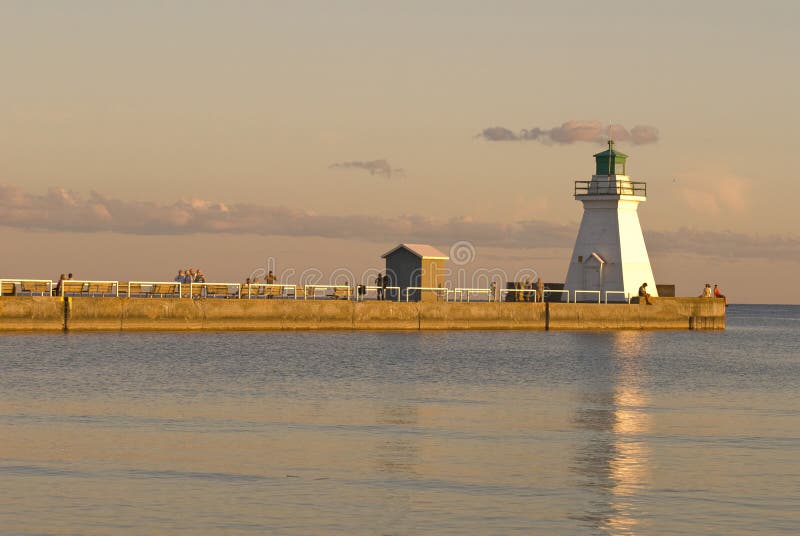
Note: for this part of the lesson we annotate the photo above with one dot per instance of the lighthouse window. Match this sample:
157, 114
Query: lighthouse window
580, 258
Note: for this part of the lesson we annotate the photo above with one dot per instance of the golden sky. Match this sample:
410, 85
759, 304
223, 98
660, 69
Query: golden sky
151, 136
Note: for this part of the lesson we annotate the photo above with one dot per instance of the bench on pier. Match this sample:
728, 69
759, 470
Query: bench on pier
338, 293
261, 290
9, 288
152, 289
25, 287
70, 287
214, 290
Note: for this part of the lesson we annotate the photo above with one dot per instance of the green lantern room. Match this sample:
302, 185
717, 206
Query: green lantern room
610, 162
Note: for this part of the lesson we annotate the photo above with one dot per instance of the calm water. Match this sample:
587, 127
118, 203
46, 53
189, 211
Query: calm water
405, 433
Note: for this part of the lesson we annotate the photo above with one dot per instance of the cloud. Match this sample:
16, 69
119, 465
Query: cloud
714, 192
498, 134
374, 167
61, 210
573, 131
725, 244
644, 134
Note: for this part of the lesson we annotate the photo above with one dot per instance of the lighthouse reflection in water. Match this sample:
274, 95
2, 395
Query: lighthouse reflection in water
613, 461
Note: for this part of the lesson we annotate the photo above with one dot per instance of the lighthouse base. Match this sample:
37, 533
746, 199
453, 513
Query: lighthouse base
610, 255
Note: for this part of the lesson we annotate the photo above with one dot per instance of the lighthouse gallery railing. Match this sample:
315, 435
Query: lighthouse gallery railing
610, 187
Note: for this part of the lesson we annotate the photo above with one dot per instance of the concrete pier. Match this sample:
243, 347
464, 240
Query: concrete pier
25, 313
31, 313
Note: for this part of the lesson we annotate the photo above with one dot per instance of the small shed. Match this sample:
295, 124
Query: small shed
417, 265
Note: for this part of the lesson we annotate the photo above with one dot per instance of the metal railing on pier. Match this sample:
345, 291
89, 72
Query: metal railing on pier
576, 292
461, 293
96, 289
337, 291
215, 290
268, 291
551, 291
153, 289
441, 292
523, 294
173, 289
625, 297
369, 288
21, 287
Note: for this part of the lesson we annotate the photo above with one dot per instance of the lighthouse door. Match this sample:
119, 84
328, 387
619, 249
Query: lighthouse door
591, 278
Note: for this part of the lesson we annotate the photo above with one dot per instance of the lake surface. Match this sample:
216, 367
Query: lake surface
386, 433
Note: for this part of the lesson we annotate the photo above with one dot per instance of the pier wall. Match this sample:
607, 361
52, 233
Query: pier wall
665, 313
25, 313
498, 315
31, 313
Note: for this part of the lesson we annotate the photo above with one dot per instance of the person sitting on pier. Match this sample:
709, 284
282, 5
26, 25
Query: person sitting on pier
643, 294
718, 293
199, 277
179, 278
707, 291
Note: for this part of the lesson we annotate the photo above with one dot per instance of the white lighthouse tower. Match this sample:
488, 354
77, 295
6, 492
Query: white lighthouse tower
610, 254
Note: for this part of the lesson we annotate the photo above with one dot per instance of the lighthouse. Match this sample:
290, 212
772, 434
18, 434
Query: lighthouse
610, 255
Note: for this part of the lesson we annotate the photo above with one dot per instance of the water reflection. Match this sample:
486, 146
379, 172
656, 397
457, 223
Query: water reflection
400, 452
613, 462
397, 456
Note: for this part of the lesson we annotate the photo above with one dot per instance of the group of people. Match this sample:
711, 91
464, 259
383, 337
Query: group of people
382, 281
60, 285
190, 275
538, 286
269, 279
709, 293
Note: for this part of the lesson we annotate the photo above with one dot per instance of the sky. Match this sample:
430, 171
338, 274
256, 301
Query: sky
137, 138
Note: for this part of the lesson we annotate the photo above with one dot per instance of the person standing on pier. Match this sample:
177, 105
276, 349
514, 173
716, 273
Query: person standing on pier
379, 284
59, 290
